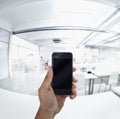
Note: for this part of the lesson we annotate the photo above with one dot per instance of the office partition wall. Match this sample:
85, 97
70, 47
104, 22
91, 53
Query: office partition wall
4, 53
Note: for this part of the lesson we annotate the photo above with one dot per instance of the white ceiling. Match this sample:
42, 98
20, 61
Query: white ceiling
57, 19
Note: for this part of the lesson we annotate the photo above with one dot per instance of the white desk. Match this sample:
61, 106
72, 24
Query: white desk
17, 106
97, 106
116, 90
90, 78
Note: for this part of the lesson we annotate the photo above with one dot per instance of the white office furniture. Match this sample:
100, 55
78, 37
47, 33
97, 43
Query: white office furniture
98, 106
116, 90
99, 87
17, 106
113, 79
90, 78
81, 84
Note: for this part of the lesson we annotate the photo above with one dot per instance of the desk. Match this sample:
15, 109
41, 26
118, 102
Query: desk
100, 75
98, 106
91, 78
17, 106
116, 90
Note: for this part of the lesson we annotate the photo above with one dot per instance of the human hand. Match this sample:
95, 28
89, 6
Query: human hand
51, 104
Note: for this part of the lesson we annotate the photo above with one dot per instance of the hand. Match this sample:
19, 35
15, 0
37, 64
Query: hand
49, 102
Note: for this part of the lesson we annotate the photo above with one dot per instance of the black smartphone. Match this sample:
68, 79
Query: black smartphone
62, 73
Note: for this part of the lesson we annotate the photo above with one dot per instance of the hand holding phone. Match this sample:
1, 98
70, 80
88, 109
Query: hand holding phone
62, 73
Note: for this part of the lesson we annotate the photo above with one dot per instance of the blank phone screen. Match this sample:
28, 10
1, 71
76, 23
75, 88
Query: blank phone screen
62, 69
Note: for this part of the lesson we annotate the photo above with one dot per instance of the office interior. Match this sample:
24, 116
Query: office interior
31, 30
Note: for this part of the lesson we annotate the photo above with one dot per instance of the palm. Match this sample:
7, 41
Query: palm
51, 101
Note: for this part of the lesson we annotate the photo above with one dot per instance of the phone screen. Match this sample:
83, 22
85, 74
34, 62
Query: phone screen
62, 73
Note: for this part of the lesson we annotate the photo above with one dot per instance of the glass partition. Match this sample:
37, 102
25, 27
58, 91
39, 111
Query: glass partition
4, 55
26, 76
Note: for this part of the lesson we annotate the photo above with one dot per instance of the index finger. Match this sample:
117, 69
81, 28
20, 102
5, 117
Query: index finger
74, 69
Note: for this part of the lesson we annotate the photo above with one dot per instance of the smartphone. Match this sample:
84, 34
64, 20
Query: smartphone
62, 73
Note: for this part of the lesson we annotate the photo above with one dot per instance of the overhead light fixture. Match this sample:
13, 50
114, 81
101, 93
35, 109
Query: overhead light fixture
56, 40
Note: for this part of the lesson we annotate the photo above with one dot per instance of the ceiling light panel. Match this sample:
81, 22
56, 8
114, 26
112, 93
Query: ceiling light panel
115, 44
112, 42
96, 38
113, 24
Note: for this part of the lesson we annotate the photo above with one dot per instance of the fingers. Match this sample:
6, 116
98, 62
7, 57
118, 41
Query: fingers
75, 80
74, 69
74, 92
49, 76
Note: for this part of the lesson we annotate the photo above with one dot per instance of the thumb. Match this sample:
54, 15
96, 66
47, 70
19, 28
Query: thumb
48, 77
